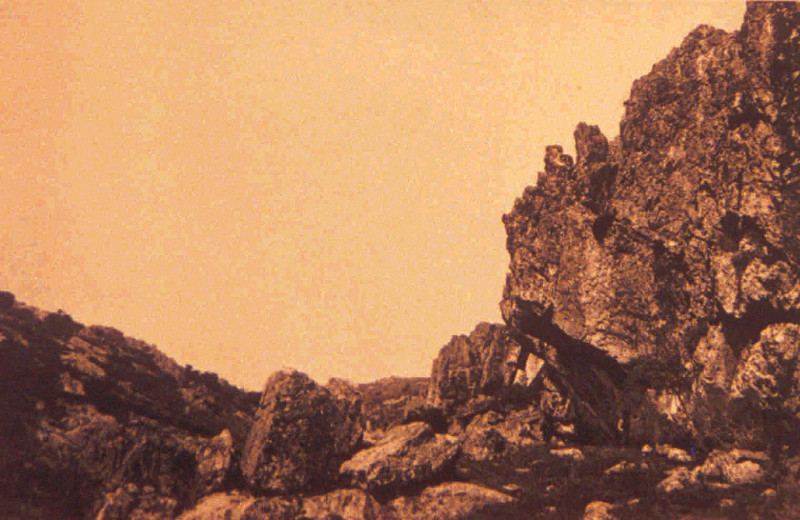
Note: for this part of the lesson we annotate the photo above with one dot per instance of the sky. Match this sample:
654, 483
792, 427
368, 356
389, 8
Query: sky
254, 185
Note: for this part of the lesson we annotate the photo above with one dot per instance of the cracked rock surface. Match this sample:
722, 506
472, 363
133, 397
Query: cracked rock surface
667, 260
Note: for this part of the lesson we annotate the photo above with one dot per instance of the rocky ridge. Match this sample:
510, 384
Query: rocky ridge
646, 367
96, 423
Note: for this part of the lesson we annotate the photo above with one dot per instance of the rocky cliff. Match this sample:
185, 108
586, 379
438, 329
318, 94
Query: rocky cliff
653, 273
647, 366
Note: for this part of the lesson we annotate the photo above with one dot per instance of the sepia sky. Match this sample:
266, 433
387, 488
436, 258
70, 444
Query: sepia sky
253, 185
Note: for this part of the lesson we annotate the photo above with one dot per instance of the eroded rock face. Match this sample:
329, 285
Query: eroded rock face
659, 264
406, 455
300, 436
480, 364
96, 423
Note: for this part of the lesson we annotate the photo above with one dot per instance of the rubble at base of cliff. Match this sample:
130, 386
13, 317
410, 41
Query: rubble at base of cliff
647, 366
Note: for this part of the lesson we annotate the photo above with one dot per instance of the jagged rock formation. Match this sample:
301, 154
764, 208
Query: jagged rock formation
651, 272
93, 422
474, 365
97, 425
655, 279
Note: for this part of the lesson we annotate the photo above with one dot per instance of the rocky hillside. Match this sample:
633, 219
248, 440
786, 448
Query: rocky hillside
647, 366
88, 414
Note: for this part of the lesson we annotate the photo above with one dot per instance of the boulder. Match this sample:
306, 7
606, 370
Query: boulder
599, 511
767, 376
493, 435
406, 455
448, 501
300, 436
673, 454
626, 467
570, 454
482, 439
677, 480
349, 504
735, 467
721, 470
474, 407
241, 506
434, 416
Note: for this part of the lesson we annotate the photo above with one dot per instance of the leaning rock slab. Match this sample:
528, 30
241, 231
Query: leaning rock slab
448, 501
407, 454
300, 436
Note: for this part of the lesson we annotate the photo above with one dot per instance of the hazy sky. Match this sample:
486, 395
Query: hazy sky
258, 184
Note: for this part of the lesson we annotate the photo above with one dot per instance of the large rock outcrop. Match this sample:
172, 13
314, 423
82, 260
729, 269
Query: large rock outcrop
652, 272
96, 423
301, 434
656, 277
